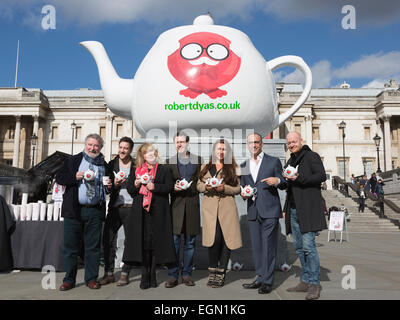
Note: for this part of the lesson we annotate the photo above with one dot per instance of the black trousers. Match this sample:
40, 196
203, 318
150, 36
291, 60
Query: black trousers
114, 220
219, 253
362, 205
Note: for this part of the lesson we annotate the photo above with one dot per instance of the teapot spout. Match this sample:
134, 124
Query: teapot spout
117, 92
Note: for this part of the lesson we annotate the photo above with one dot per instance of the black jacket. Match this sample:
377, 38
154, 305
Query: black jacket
112, 166
306, 190
7, 227
164, 250
67, 177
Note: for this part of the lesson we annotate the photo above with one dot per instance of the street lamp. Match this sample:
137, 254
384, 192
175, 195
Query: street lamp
34, 139
73, 128
377, 140
342, 126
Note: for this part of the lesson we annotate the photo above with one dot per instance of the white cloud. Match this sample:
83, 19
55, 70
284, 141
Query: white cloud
376, 68
378, 65
92, 12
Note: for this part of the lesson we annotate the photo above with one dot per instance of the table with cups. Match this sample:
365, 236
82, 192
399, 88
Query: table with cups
37, 239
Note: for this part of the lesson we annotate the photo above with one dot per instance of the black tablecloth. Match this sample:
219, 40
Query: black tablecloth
35, 244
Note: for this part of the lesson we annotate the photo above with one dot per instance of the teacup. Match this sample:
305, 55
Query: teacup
183, 184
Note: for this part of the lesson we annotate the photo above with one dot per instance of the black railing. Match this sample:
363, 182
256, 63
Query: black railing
343, 186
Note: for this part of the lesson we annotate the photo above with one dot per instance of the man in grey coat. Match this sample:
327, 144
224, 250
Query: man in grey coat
185, 208
304, 211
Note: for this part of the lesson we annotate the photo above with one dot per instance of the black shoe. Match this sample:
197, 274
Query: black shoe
253, 285
145, 281
153, 280
265, 288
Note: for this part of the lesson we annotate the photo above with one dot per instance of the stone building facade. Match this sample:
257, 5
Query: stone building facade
48, 114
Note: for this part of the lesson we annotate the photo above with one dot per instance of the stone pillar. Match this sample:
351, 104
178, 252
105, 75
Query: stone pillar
35, 131
108, 142
387, 144
308, 130
17, 138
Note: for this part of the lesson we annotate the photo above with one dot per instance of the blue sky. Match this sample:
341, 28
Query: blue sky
53, 59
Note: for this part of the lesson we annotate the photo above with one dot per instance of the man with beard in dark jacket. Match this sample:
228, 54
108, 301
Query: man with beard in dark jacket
304, 211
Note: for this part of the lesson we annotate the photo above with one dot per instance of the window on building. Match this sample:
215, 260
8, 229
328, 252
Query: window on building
315, 133
367, 133
54, 132
297, 128
394, 135
78, 132
9, 162
103, 131
11, 132
119, 132
341, 168
394, 163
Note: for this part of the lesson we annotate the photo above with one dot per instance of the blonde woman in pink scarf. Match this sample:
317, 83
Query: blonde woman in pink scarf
151, 240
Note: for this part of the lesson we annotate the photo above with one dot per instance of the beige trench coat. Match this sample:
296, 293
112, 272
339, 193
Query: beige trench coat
223, 206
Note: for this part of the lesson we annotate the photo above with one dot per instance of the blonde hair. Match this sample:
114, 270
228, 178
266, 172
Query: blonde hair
142, 150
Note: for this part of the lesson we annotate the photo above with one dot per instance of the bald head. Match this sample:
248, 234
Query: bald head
294, 142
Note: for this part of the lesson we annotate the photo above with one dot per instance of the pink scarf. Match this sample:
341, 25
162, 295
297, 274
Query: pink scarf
147, 194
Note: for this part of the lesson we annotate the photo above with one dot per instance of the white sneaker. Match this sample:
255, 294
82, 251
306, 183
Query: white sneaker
285, 267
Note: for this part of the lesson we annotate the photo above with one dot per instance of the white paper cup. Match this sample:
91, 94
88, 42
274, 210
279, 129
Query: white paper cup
23, 212
105, 180
17, 212
50, 211
36, 212
29, 210
56, 211
43, 211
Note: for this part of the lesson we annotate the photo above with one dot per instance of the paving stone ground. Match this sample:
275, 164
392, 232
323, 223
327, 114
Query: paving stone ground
375, 258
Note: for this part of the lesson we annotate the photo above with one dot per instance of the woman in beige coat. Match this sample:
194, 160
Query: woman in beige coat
221, 227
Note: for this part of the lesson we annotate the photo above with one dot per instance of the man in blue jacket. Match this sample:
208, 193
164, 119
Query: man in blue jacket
84, 207
263, 210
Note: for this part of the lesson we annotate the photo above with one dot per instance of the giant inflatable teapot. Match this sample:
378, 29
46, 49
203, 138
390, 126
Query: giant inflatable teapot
203, 76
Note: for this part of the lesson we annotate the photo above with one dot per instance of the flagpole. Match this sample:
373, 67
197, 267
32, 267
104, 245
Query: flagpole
16, 67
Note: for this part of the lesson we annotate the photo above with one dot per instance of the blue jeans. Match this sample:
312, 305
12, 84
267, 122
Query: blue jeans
188, 252
304, 245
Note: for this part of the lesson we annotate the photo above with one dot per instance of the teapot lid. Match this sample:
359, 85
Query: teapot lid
203, 20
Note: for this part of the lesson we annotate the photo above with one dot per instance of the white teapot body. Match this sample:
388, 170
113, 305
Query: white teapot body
199, 77
89, 175
290, 171
214, 182
144, 178
183, 184
248, 191
120, 175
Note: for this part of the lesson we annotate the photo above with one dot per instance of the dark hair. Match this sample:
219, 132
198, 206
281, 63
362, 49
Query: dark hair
182, 134
128, 140
228, 169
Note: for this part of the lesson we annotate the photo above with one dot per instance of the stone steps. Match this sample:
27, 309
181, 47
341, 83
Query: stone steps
368, 221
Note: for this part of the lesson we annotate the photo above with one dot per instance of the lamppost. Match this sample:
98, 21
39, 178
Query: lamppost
73, 128
377, 140
34, 139
342, 126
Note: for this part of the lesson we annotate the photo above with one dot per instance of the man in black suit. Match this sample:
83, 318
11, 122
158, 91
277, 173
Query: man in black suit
84, 207
185, 208
263, 210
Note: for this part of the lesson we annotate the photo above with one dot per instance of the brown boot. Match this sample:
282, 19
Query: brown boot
211, 277
107, 279
301, 287
314, 292
219, 278
123, 281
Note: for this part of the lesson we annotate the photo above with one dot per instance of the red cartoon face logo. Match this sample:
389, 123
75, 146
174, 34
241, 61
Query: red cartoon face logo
203, 63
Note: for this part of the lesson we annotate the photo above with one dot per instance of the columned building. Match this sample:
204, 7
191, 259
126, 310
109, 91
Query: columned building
61, 119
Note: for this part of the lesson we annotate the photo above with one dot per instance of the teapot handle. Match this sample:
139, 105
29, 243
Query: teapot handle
295, 62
